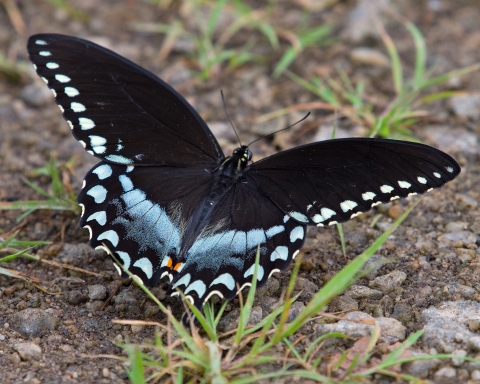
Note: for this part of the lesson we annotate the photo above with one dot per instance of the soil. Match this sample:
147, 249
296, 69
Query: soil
83, 305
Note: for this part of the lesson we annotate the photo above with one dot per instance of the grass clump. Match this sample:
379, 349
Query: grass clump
403, 110
264, 350
212, 30
58, 197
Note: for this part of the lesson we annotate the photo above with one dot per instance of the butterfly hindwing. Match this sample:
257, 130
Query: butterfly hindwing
222, 260
117, 110
333, 181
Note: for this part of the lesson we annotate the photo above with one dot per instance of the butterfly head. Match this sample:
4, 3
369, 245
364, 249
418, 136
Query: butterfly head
243, 154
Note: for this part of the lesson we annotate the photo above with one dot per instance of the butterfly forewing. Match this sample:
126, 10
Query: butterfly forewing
140, 214
117, 110
333, 181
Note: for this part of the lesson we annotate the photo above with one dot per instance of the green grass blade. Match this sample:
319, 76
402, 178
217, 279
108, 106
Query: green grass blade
420, 55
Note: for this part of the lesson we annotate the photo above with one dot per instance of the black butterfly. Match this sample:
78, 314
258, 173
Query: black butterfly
167, 202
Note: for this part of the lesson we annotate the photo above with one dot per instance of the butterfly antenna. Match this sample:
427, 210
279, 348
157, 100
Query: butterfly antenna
228, 117
280, 130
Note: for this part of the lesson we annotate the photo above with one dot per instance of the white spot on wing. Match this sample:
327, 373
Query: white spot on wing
449, 169
318, 218
97, 140
129, 168
90, 233
119, 159
327, 213
295, 254
77, 107
85, 123
377, 203
386, 188
71, 92
45, 53
40, 42
70, 124
62, 78
45, 80
422, 180
299, 216
61, 108
52, 65
404, 184
437, 175
145, 265
54, 93
368, 196
348, 205
109, 235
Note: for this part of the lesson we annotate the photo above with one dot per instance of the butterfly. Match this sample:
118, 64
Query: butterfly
166, 201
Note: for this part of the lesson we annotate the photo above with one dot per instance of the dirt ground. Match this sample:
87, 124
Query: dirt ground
74, 322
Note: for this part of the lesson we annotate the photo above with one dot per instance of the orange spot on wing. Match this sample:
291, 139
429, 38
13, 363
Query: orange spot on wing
169, 263
177, 266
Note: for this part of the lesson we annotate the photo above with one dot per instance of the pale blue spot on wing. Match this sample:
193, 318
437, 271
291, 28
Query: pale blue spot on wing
185, 280
100, 216
249, 272
103, 171
99, 193
111, 236
119, 159
225, 279
197, 286
145, 265
125, 258
281, 252
126, 182
297, 234
274, 231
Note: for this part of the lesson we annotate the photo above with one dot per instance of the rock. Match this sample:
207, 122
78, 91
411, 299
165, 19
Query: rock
151, 310
270, 288
465, 106
391, 330
387, 283
369, 56
445, 328
37, 95
373, 266
457, 362
361, 20
475, 375
256, 315
343, 303
421, 368
33, 322
402, 312
474, 343
361, 292
28, 351
445, 375
97, 292
456, 226
466, 237
306, 285
295, 310
76, 297
452, 140
466, 201
361, 326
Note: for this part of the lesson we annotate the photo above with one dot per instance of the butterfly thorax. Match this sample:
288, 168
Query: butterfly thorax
225, 177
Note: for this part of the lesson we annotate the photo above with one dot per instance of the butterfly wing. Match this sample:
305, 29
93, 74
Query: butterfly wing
118, 111
333, 181
222, 260
139, 214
